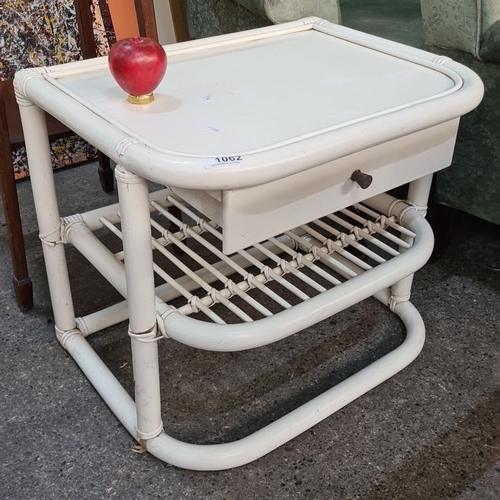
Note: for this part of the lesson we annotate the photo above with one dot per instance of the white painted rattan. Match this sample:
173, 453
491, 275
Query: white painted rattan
294, 254
269, 244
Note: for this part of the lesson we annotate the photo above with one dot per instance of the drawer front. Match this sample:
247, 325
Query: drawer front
248, 216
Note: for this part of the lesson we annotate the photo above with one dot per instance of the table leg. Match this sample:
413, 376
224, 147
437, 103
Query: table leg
418, 193
137, 248
49, 223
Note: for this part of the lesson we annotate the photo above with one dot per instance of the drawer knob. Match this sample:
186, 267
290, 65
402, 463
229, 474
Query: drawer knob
364, 180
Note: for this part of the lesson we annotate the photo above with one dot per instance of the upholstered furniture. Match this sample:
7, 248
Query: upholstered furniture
217, 17
469, 25
468, 31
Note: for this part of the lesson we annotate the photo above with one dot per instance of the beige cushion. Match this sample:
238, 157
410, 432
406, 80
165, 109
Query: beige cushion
282, 11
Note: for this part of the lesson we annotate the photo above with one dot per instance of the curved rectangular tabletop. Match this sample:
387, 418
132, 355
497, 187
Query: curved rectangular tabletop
298, 94
251, 96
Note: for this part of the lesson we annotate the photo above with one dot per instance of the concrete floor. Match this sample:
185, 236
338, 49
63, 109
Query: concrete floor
431, 432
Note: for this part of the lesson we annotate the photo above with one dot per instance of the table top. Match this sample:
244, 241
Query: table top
241, 99
252, 107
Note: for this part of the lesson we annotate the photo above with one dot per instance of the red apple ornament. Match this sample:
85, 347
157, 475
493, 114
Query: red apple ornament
138, 65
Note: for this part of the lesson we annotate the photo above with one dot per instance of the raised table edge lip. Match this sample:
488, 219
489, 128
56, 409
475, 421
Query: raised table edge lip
36, 85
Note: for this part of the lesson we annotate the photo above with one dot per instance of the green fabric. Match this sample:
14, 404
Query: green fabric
217, 17
490, 46
282, 11
472, 183
458, 24
452, 24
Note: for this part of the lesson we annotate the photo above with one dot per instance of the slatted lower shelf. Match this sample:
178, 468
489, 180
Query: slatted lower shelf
264, 281
256, 296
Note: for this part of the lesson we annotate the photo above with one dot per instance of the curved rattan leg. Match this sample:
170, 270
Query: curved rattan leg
265, 440
44, 194
243, 451
136, 229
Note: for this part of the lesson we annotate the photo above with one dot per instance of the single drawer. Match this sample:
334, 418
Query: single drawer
248, 216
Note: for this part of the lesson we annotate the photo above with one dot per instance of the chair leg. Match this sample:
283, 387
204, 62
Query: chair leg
106, 173
23, 287
23, 290
176, 212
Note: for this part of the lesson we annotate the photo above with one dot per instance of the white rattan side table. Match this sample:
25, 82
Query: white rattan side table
278, 146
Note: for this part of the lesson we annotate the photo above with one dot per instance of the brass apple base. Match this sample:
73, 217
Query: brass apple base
141, 99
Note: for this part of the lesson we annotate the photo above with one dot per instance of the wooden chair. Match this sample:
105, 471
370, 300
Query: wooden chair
11, 133
11, 138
